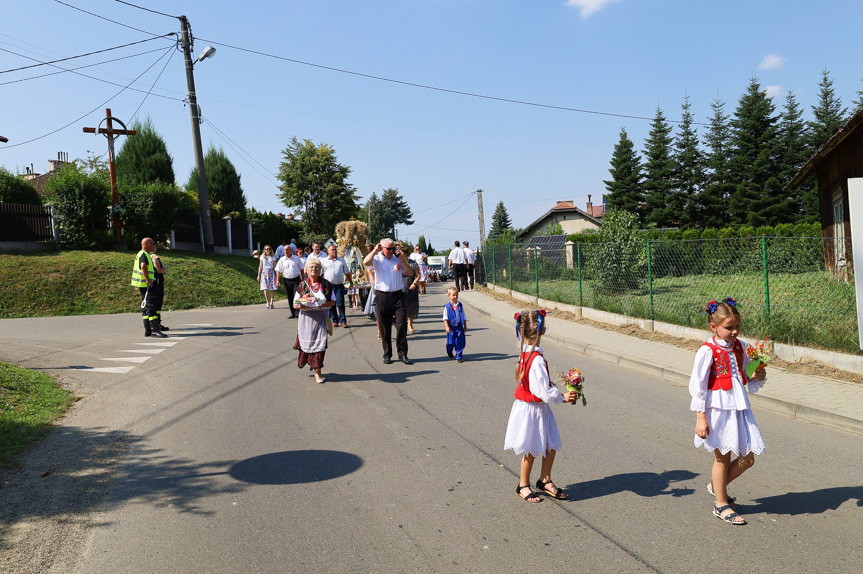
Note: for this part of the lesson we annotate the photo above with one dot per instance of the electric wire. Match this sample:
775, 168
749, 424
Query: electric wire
147, 95
104, 18
63, 70
241, 152
99, 79
438, 206
438, 89
146, 9
91, 111
447, 215
84, 55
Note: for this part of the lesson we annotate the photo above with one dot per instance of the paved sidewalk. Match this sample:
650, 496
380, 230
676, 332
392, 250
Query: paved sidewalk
817, 399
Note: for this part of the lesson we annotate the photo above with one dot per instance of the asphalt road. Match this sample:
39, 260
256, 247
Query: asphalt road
217, 454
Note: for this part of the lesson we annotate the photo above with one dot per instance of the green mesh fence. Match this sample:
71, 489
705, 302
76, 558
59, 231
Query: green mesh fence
797, 290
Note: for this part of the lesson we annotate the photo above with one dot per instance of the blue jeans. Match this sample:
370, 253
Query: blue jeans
338, 311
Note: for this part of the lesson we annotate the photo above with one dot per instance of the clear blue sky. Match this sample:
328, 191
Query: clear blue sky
612, 56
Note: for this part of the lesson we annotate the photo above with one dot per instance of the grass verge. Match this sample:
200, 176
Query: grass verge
29, 402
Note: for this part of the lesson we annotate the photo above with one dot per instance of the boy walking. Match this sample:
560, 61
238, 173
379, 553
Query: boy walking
456, 325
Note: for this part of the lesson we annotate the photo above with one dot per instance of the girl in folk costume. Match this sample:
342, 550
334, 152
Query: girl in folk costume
532, 430
724, 422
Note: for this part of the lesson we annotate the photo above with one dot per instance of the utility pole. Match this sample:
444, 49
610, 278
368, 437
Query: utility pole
109, 132
195, 111
481, 214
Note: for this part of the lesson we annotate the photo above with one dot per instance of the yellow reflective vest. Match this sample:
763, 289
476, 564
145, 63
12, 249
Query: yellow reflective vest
138, 277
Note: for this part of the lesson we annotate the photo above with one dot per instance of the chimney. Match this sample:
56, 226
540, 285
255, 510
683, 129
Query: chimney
589, 206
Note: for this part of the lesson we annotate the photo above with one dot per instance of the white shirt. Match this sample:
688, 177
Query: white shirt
469, 255
736, 398
334, 270
388, 273
538, 380
418, 257
303, 259
289, 267
456, 256
320, 256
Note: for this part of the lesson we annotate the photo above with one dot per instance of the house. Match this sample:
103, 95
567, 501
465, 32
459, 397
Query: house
38, 180
833, 164
571, 219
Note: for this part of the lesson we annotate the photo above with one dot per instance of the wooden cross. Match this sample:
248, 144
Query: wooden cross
112, 134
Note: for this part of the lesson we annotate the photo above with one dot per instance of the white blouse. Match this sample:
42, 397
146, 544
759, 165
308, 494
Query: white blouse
538, 379
736, 398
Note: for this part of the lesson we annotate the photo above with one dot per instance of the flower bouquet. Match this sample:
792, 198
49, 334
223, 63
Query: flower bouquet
758, 359
574, 381
308, 301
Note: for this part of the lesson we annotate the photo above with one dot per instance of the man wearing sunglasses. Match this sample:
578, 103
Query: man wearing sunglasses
389, 263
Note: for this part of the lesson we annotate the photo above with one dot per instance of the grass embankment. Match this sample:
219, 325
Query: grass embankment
97, 283
29, 402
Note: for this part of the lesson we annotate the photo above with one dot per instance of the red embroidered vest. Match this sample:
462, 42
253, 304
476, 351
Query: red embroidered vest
522, 391
720, 372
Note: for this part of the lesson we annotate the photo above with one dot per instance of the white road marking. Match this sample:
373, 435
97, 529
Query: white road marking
129, 359
198, 325
119, 370
175, 333
148, 351
176, 338
160, 344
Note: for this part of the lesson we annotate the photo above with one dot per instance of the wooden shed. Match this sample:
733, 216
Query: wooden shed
838, 160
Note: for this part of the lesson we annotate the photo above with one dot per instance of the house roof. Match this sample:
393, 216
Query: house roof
825, 150
561, 207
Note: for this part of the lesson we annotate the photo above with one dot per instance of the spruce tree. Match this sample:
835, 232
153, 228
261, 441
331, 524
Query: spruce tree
223, 185
624, 187
144, 157
500, 222
660, 209
858, 103
829, 113
689, 176
758, 198
713, 199
794, 151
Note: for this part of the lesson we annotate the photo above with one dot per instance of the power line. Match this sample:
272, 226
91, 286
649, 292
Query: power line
91, 111
63, 70
438, 89
146, 9
154, 82
104, 18
437, 206
241, 152
83, 55
448, 214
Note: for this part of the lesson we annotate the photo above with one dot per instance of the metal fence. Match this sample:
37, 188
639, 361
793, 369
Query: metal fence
19, 222
797, 290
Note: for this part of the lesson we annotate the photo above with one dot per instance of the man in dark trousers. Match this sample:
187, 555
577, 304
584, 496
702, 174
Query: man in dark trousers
458, 265
143, 272
390, 303
469, 258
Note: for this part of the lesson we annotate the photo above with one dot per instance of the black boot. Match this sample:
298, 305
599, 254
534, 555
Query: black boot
154, 327
148, 330
160, 326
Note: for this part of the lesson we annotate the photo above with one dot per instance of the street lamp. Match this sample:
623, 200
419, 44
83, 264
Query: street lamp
195, 112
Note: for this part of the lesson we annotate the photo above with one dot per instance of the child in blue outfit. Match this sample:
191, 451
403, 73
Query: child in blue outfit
456, 325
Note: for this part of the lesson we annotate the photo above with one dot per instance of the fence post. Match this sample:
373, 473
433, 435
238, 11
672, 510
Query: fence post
650, 280
766, 279
509, 247
250, 237
493, 266
55, 231
580, 296
536, 268
230, 242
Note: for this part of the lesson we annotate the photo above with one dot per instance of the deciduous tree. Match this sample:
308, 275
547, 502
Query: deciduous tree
13, 189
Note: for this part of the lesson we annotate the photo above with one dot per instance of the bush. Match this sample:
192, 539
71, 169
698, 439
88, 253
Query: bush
81, 208
151, 210
13, 189
618, 260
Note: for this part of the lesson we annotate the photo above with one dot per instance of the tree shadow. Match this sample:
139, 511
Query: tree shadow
295, 467
646, 484
797, 503
397, 377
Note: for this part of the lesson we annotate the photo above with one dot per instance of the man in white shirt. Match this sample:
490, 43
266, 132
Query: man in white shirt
316, 251
335, 270
390, 305
458, 266
469, 258
289, 268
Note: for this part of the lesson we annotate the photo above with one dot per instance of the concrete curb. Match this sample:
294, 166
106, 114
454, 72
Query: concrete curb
681, 379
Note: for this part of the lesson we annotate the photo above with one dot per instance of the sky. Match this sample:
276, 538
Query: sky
436, 98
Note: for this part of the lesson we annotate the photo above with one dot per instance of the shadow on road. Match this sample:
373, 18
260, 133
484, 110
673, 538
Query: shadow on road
295, 467
815, 502
396, 377
646, 484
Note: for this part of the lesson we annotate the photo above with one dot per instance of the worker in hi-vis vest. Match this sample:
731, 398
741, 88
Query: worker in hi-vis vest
143, 273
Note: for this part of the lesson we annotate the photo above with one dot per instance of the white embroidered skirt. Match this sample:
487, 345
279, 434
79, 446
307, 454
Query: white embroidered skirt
532, 429
732, 431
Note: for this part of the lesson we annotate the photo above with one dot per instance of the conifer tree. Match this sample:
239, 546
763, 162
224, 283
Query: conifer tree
500, 222
660, 209
624, 187
144, 157
689, 175
829, 113
758, 198
794, 151
858, 103
223, 185
713, 199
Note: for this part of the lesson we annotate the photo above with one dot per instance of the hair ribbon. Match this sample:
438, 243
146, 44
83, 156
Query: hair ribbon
517, 318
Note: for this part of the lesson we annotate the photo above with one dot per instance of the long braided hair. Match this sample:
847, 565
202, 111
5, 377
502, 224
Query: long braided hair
529, 328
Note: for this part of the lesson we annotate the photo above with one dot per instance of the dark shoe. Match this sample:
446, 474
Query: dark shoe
557, 493
404, 359
163, 327
293, 316
388, 360
159, 334
530, 497
731, 518
459, 360
450, 355
148, 330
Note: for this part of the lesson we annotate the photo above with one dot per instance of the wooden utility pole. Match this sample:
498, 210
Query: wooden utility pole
481, 214
109, 132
